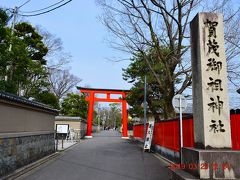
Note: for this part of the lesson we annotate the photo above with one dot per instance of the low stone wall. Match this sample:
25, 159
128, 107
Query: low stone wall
26, 132
167, 153
16, 152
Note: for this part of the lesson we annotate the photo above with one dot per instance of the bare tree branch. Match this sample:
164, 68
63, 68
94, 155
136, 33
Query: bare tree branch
62, 82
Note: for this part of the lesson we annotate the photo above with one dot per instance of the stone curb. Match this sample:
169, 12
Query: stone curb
23, 170
167, 161
157, 155
30, 167
68, 147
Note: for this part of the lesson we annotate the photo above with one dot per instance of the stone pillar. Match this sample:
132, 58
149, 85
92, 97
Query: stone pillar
212, 157
210, 91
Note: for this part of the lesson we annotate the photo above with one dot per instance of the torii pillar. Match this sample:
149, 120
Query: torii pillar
90, 115
124, 118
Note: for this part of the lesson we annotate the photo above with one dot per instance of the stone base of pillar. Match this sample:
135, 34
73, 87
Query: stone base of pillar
88, 137
208, 164
179, 174
125, 137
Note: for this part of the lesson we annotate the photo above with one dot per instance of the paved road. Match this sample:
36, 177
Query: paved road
105, 157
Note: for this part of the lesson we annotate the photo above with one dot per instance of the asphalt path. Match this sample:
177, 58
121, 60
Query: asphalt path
105, 157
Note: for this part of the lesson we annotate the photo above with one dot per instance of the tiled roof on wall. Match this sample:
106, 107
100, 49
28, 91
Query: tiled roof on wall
21, 100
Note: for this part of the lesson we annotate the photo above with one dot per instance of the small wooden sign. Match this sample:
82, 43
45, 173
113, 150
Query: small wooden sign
148, 140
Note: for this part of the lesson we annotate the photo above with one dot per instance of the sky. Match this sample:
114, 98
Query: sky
83, 36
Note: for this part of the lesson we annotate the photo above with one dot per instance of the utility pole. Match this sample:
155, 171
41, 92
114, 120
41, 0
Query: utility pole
145, 106
180, 126
15, 12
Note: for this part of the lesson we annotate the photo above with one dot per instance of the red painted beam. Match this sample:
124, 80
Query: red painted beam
103, 92
108, 100
104, 100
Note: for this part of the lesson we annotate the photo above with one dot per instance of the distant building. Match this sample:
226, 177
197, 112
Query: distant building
77, 126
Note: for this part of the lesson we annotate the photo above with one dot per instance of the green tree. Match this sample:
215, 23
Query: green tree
3, 23
109, 117
48, 98
22, 67
159, 97
103, 114
3, 47
115, 115
139, 25
74, 105
26, 66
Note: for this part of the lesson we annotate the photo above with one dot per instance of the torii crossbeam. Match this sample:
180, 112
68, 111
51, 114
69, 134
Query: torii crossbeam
91, 98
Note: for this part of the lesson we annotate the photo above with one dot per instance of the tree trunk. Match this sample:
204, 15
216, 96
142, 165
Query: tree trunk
168, 110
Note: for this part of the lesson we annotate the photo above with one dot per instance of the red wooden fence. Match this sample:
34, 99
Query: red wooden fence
166, 133
235, 131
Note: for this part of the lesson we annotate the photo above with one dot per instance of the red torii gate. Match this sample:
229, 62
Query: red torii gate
90, 92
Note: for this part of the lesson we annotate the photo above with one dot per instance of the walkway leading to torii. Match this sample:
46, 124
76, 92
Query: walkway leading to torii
105, 157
